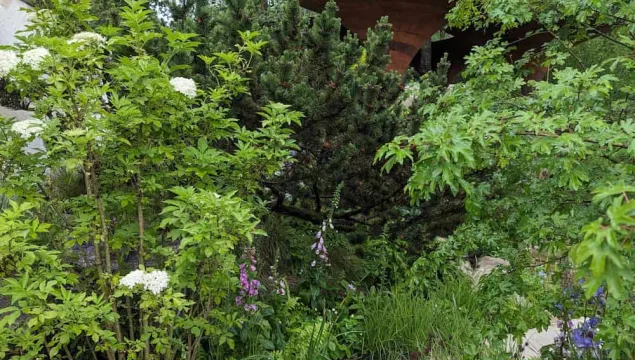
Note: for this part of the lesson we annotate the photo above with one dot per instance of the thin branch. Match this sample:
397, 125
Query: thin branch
527, 37
89, 193
43, 190
549, 261
542, 134
602, 34
615, 16
576, 57
316, 192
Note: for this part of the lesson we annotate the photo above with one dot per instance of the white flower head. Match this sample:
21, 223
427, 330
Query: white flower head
87, 37
185, 86
34, 57
154, 281
8, 61
133, 279
28, 128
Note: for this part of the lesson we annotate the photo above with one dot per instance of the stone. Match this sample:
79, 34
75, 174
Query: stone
12, 19
484, 266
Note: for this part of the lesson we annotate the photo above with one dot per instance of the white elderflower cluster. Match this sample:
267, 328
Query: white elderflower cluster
132, 279
27, 128
185, 86
34, 57
8, 61
154, 281
87, 37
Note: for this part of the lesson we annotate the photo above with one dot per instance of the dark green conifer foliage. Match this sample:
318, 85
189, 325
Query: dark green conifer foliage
338, 82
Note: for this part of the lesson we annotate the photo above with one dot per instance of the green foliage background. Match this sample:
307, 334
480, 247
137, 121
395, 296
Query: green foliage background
136, 174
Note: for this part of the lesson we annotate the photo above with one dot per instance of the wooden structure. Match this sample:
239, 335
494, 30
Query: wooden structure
414, 22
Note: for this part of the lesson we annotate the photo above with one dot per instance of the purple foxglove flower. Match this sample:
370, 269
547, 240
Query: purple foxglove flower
248, 287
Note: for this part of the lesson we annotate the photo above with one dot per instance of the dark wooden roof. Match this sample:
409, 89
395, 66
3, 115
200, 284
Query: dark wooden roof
414, 22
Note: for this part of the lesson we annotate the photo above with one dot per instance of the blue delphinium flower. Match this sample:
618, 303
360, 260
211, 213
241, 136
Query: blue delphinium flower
594, 321
581, 339
583, 336
599, 292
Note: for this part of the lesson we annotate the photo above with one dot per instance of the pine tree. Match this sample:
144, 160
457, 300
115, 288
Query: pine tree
341, 85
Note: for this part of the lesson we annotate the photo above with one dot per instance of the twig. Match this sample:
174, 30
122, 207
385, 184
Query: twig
68, 353
608, 37
89, 193
130, 320
576, 57
92, 188
542, 134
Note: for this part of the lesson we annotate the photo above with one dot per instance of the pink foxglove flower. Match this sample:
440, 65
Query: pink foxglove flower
319, 248
248, 287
